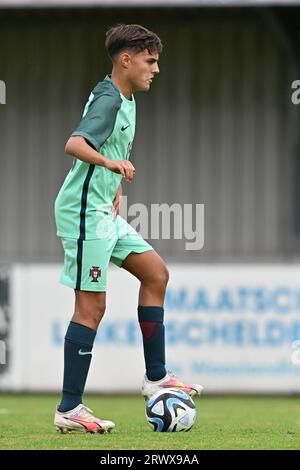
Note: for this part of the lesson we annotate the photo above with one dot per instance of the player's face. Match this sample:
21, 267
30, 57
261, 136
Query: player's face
142, 69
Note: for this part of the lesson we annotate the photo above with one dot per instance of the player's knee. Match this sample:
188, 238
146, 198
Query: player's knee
92, 316
89, 310
160, 278
164, 276
97, 310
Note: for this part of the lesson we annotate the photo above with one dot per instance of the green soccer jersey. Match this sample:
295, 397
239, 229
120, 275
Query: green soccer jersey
108, 124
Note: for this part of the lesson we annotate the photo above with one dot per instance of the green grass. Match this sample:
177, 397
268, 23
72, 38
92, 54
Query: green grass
222, 423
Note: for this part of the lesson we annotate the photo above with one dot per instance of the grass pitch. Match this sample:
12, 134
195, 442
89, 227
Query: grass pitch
222, 423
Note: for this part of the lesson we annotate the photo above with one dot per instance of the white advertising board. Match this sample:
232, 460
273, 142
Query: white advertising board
230, 328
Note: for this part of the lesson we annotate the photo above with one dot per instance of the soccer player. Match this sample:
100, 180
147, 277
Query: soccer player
93, 233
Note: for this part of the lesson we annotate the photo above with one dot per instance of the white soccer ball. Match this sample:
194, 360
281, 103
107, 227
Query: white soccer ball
170, 410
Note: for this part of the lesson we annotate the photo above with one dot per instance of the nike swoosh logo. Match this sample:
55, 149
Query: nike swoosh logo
83, 353
123, 128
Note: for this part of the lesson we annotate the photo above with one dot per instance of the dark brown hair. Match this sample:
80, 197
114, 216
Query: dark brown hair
131, 36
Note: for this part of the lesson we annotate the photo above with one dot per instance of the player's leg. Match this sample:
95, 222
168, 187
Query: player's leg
153, 275
138, 257
89, 282
71, 414
79, 340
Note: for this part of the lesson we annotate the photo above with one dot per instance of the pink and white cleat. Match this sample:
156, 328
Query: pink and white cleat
169, 381
81, 419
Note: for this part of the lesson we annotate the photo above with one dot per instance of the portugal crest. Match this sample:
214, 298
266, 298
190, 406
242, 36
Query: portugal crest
95, 272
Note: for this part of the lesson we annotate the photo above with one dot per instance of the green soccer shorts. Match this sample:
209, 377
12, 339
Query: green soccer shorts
86, 261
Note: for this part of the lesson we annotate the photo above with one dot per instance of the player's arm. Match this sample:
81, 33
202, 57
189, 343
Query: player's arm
78, 147
94, 129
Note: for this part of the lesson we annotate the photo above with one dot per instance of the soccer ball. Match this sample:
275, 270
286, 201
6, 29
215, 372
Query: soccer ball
170, 410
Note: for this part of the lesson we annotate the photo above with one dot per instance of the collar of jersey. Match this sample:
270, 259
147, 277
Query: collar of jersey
108, 78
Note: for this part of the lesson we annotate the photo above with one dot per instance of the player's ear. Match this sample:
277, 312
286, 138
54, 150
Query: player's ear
125, 59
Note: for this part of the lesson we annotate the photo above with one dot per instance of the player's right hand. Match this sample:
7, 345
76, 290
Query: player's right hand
123, 167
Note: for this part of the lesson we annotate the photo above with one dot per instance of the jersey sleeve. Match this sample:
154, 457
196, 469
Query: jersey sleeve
98, 122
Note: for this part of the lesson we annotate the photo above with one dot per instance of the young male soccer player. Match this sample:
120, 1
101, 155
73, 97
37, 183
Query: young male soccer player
92, 232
